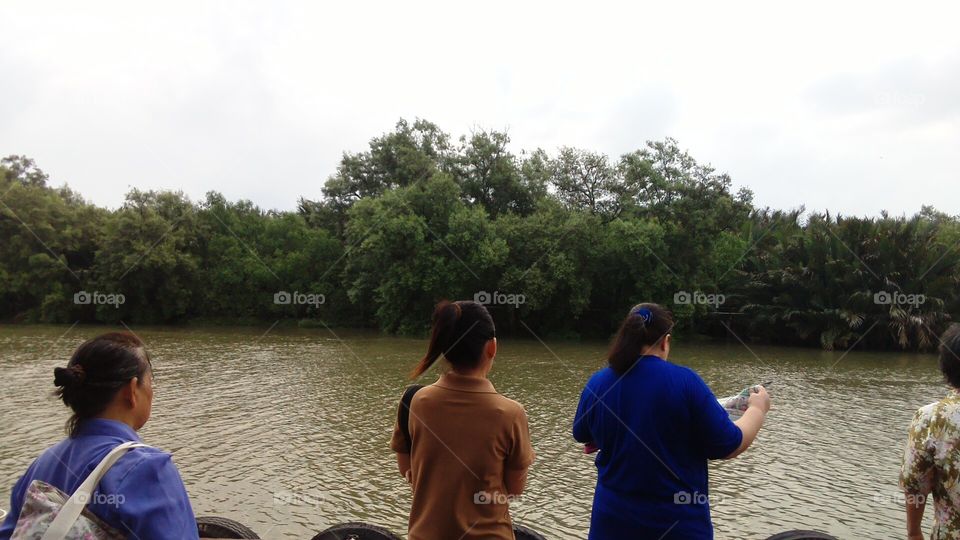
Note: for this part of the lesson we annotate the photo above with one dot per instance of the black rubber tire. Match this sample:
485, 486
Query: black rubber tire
356, 531
218, 527
525, 533
802, 535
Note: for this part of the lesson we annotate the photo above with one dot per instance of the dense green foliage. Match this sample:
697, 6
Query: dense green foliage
568, 241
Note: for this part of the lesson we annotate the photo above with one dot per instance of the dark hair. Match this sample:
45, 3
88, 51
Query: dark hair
460, 331
950, 355
645, 325
98, 369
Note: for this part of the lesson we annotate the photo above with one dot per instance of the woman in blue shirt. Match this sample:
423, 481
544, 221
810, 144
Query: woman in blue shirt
656, 425
108, 383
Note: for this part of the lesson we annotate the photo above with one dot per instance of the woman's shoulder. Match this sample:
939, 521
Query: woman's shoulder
80, 456
510, 406
943, 412
147, 455
607, 375
77, 451
150, 454
143, 463
603, 376
507, 409
685, 373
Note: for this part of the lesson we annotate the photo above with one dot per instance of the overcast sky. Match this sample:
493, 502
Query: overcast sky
848, 106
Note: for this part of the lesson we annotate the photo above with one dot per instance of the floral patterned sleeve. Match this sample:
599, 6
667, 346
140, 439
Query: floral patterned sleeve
917, 471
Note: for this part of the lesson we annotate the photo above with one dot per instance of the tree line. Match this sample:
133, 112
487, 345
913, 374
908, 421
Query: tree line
557, 244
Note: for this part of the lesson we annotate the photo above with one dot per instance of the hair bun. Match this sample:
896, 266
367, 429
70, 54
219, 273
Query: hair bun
68, 376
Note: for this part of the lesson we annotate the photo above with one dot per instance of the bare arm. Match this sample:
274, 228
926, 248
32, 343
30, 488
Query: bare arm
749, 425
915, 505
515, 481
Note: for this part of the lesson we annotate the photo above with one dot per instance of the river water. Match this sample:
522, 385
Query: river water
287, 431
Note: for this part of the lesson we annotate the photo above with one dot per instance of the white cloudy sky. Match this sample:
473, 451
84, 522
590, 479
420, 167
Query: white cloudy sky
848, 106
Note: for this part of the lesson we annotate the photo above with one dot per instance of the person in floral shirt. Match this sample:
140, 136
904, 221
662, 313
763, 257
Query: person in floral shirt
931, 462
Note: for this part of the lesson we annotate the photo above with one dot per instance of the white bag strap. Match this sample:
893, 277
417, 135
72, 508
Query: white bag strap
72, 509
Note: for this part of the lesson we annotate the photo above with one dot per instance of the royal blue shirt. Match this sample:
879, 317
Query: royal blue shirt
656, 427
141, 496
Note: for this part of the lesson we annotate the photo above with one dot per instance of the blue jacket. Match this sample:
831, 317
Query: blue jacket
142, 495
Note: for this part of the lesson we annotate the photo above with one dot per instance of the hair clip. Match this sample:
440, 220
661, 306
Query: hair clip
644, 313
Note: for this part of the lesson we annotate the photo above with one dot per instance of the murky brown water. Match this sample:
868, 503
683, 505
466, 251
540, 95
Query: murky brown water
287, 432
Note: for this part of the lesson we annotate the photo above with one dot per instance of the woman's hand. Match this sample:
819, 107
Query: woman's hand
759, 398
403, 463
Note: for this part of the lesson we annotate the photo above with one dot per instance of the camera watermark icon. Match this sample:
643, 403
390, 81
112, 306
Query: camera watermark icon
311, 497
495, 497
685, 497
296, 298
884, 298
115, 500
497, 298
84, 298
699, 297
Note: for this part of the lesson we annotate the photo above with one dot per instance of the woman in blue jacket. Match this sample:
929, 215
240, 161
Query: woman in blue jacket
656, 424
108, 383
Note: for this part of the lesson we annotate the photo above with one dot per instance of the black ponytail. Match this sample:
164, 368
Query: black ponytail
460, 331
645, 325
